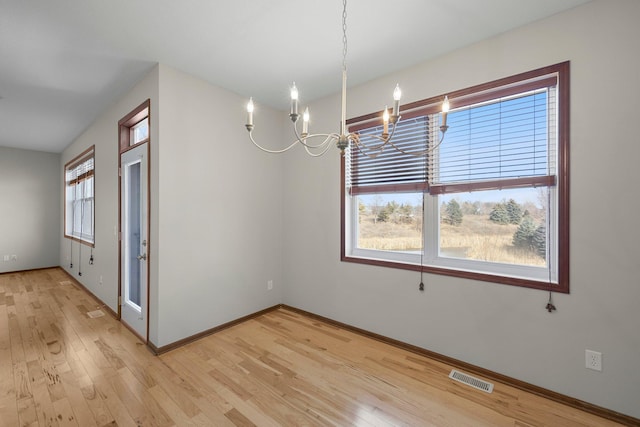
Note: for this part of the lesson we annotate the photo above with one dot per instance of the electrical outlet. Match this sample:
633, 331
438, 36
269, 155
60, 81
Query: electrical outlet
6, 257
14, 257
269, 285
593, 360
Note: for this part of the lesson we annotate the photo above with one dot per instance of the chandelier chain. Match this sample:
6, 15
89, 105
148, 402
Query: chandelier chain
344, 35
344, 139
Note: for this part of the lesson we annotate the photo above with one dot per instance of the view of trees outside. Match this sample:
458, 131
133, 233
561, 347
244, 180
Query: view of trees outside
506, 226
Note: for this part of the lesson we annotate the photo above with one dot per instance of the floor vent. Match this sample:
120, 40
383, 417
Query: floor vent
471, 381
95, 313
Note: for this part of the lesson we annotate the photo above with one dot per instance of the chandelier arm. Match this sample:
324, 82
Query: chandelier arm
266, 150
361, 148
303, 140
321, 153
378, 147
386, 139
326, 142
420, 153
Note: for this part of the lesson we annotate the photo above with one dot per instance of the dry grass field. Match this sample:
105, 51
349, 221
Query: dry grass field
476, 238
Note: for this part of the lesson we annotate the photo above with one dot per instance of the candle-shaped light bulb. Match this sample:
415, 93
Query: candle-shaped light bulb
250, 111
397, 94
385, 120
294, 99
445, 110
305, 121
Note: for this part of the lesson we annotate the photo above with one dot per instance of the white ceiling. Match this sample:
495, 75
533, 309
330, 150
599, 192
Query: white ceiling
62, 62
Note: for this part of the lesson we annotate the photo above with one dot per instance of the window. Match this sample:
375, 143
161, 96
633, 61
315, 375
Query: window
133, 129
140, 131
489, 203
79, 197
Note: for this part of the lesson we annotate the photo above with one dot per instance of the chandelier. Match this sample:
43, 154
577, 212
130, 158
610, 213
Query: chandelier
317, 144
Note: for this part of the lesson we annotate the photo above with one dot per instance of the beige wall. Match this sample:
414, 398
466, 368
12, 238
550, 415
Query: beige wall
103, 133
30, 189
498, 327
220, 209
216, 207
226, 217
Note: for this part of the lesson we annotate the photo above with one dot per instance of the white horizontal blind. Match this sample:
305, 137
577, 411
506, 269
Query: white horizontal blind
503, 142
80, 172
391, 170
505, 139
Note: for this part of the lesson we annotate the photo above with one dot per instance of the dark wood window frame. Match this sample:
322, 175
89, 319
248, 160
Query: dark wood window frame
468, 96
141, 112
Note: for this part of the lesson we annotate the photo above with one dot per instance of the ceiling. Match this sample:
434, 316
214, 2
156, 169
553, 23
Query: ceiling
62, 62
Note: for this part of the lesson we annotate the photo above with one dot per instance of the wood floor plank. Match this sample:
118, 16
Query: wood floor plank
97, 406
203, 395
154, 411
174, 413
64, 414
27, 415
21, 380
60, 367
82, 412
8, 410
116, 406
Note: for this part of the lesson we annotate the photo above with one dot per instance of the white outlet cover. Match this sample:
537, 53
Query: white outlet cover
593, 360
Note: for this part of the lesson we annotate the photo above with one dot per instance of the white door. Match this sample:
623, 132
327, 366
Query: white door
134, 241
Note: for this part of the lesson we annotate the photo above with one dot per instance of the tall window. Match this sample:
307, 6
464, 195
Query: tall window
489, 203
79, 197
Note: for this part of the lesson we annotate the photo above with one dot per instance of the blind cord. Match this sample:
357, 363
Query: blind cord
81, 230
73, 221
550, 307
421, 285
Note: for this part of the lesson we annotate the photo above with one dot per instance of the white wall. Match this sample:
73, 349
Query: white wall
103, 133
498, 327
216, 207
220, 209
30, 189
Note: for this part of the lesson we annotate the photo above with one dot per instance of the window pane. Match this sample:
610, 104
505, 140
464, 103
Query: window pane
77, 217
87, 220
140, 131
504, 226
390, 222
506, 138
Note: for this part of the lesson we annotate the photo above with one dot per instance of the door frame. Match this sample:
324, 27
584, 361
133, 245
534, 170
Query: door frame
125, 144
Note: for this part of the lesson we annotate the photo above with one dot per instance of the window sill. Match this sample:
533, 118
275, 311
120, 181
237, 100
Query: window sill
471, 275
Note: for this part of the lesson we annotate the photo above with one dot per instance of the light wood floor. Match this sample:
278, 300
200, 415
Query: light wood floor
58, 366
